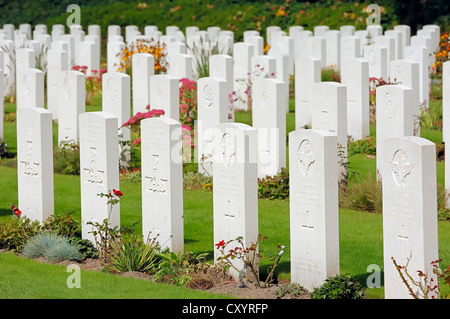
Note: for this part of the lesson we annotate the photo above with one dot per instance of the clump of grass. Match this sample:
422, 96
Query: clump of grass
365, 195
293, 289
50, 246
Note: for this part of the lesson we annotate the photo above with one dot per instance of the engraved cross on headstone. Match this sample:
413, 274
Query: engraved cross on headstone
308, 227
403, 238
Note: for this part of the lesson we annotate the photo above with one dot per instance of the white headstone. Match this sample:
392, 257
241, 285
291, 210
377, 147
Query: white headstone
406, 72
420, 54
114, 49
314, 207
99, 169
307, 72
212, 110
25, 59
72, 102
446, 123
333, 48
378, 61
398, 40
263, 66
162, 182
406, 33
329, 105
394, 116
350, 49
116, 99
181, 66
317, 48
300, 42
358, 118
31, 89
410, 232
242, 54
221, 66
56, 66
143, 67
35, 163
164, 95
269, 118
235, 188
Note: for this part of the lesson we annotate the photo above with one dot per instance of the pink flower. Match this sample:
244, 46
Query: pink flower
136, 141
185, 127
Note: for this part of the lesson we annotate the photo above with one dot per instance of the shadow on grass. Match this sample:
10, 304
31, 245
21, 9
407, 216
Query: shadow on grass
5, 212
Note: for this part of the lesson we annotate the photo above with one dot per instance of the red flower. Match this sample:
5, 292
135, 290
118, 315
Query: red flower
16, 211
117, 193
220, 244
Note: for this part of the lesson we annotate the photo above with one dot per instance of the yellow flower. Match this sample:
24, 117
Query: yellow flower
280, 12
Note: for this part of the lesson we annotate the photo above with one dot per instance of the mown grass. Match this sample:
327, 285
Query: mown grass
23, 278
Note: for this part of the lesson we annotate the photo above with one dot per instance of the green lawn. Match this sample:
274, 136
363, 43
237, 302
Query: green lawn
29, 279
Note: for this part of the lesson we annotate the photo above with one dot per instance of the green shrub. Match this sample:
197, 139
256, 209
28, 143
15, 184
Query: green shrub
177, 268
365, 146
63, 225
51, 246
15, 233
339, 287
67, 158
274, 187
85, 247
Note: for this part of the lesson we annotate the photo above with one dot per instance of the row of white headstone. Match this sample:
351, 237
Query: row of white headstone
408, 176
98, 139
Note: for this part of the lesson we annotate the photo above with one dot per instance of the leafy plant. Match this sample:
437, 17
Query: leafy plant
274, 187
85, 247
63, 225
51, 246
177, 268
16, 231
365, 146
131, 253
67, 158
293, 289
339, 287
